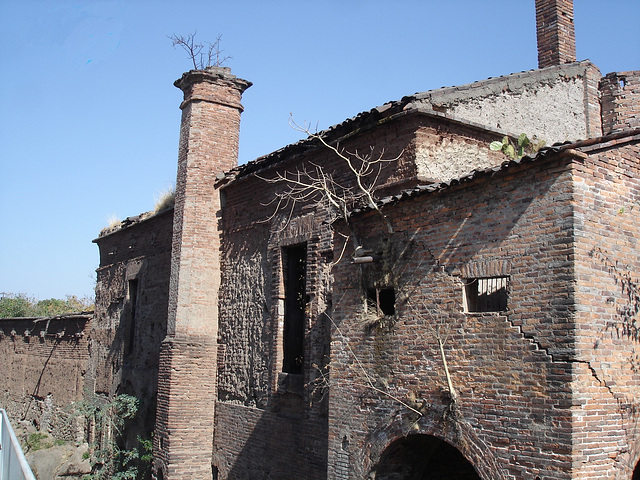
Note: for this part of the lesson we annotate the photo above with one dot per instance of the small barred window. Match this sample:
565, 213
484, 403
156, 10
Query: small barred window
487, 294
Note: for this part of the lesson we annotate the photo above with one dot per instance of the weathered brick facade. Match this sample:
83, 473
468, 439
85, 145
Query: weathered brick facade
488, 330
543, 390
131, 312
620, 101
43, 362
525, 271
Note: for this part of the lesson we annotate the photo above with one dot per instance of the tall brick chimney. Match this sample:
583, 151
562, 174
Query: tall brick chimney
209, 134
555, 32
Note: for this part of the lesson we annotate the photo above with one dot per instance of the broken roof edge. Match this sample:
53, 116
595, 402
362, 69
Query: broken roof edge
493, 85
559, 150
85, 316
292, 151
408, 104
130, 221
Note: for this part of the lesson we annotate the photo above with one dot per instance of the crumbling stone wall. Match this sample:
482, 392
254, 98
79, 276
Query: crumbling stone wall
445, 149
606, 381
556, 104
43, 362
130, 325
511, 370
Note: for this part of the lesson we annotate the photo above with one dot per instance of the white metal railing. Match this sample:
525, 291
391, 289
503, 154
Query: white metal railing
13, 465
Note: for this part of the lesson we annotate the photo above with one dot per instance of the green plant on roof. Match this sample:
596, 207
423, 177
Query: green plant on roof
523, 146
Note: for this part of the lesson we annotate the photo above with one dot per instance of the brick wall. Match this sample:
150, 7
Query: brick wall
620, 101
606, 376
251, 384
209, 133
555, 32
511, 370
130, 325
42, 367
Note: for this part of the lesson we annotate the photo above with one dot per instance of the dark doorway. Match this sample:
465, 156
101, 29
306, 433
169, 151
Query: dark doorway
295, 273
636, 472
133, 302
423, 457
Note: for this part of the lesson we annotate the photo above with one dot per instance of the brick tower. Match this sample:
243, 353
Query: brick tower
209, 132
555, 32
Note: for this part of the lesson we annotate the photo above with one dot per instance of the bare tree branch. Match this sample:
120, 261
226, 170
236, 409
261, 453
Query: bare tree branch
313, 184
202, 55
440, 331
368, 383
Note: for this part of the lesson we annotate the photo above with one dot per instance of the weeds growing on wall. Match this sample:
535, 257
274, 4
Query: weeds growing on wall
165, 200
110, 459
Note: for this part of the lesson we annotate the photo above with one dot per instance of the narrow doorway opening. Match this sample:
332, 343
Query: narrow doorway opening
133, 301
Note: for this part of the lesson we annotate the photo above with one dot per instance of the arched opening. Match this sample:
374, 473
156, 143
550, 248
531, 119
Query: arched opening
636, 472
423, 457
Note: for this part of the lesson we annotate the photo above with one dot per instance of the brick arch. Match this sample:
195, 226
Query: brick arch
459, 436
158, 470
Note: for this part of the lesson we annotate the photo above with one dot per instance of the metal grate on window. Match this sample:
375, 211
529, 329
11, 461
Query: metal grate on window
487, 294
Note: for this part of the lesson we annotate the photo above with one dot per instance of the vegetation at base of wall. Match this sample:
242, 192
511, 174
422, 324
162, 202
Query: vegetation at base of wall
523, 146
39, 440
21, 305
109, 458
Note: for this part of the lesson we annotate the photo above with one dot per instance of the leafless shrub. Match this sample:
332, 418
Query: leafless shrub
312, 184
202, 54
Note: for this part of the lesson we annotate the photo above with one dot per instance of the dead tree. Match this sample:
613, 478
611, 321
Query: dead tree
311, 183
202, 54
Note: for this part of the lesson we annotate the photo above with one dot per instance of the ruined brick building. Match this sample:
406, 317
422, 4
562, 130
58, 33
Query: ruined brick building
267, 347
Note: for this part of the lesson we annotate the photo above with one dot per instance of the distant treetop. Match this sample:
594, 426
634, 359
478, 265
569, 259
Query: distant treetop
20, 305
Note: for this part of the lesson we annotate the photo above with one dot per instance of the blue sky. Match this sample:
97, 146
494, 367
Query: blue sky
89, 116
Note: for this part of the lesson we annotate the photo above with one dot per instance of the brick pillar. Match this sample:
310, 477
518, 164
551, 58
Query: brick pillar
209, 134
555, 32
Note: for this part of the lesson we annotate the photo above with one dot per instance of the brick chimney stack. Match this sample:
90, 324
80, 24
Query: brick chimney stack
555, 32
209, 135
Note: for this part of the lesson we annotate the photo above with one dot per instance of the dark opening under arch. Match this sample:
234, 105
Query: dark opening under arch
636, 472
423, 457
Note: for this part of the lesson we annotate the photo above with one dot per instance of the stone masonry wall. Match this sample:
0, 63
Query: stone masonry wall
511, 370
42, 368
445, 150
556, 104
606, 378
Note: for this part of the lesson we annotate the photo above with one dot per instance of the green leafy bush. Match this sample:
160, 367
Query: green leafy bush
20, 305
109, 459
523, 146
